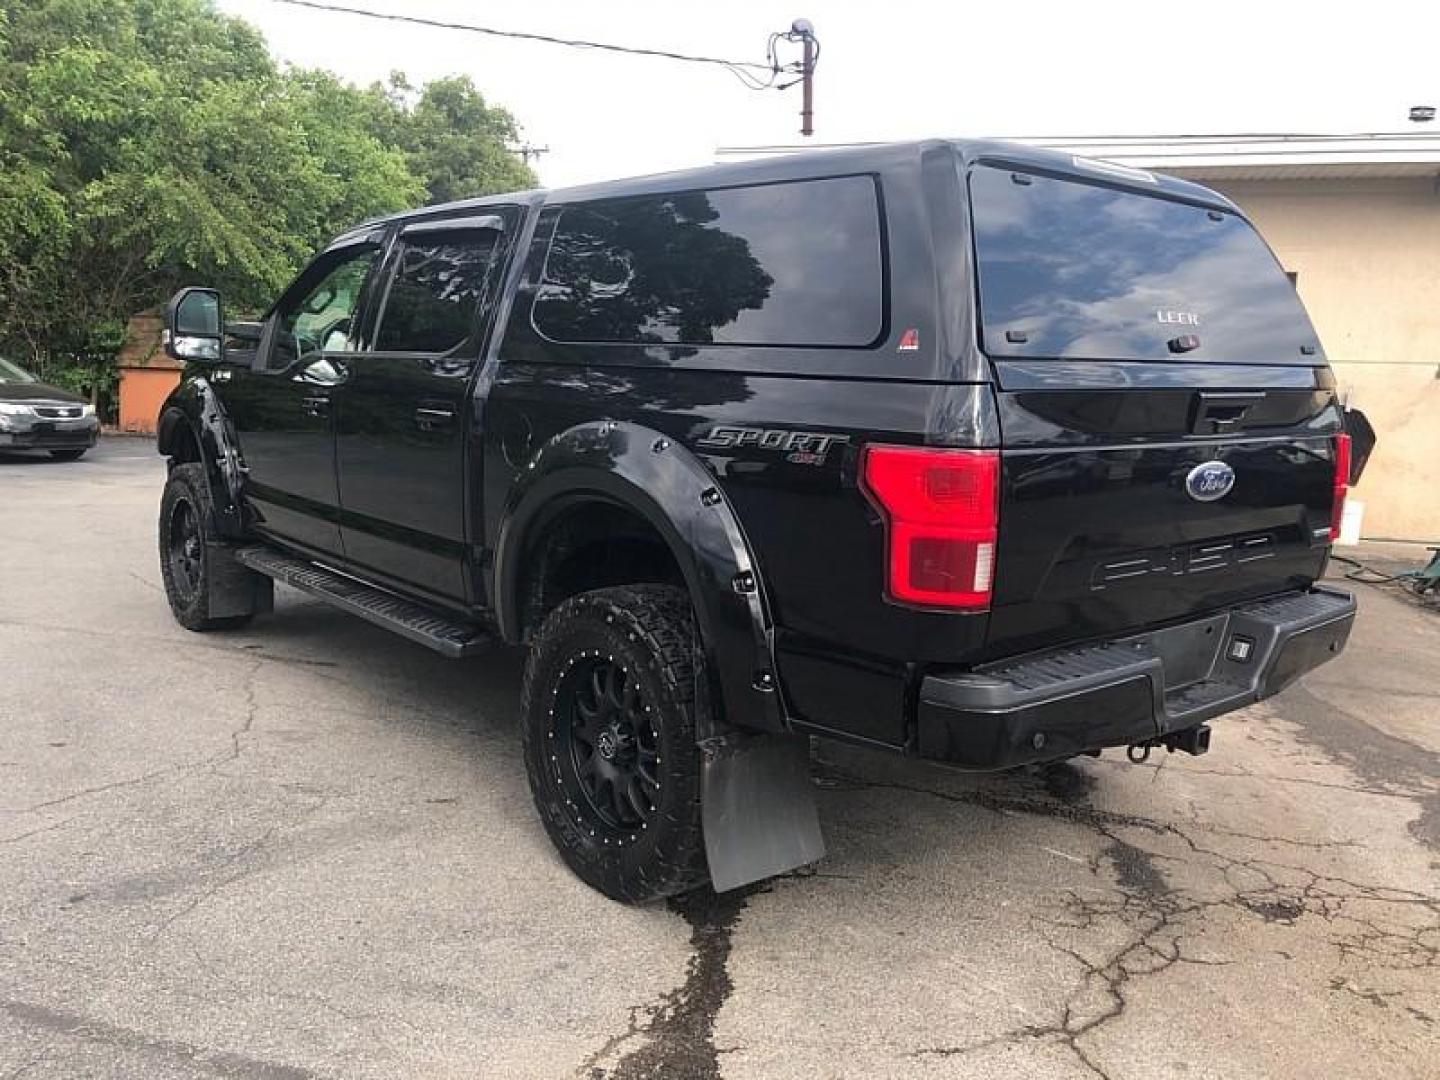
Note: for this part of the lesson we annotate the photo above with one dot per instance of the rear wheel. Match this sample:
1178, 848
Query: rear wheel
74, 453
187, 528
609, 730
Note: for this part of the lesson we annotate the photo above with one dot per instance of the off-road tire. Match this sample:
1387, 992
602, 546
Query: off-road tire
647, 632
74, 453
187, 489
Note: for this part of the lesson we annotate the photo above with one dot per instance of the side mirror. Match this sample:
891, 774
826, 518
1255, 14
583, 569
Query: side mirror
193, 326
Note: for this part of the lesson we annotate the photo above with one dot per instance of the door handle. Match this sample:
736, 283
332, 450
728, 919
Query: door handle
318, 407
1219, 414
430, 417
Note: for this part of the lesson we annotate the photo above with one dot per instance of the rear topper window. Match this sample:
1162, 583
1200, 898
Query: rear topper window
1075, 270
778, 264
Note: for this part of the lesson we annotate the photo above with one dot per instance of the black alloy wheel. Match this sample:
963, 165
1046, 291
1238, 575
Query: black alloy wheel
605, 746
610, 739
192, 558
185, 547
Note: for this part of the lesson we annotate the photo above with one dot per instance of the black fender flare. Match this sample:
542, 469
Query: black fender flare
653, 475
194, 408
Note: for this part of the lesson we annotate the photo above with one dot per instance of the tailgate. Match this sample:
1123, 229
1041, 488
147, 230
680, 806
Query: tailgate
1167, 423
1112, 514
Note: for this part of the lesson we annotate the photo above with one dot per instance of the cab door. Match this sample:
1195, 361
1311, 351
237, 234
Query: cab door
403, 415
282, 405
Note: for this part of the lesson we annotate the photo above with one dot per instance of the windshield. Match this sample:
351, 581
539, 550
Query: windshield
1075, 270
13, 373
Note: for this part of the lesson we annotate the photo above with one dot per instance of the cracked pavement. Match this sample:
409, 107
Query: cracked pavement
306, 849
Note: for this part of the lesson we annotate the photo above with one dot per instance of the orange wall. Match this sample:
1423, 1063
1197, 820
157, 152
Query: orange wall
142, 392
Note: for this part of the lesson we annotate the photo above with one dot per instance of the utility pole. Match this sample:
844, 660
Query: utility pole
805, 31
526, 152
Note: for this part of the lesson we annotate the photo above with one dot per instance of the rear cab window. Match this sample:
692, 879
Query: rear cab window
432, 301
1076, 270
798, 263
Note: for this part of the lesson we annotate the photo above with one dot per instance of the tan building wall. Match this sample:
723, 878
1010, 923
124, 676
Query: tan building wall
1368, 257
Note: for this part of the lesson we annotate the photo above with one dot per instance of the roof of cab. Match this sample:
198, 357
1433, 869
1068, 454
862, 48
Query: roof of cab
847, 160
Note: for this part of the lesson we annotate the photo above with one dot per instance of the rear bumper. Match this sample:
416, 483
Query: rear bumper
1131, 690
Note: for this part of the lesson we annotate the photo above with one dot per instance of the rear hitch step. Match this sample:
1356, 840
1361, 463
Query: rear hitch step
1195, 740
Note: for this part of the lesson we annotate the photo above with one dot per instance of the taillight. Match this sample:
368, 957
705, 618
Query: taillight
942, 510
1342, 483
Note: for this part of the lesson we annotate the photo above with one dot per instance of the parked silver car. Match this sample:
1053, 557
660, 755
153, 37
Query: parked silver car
37, 416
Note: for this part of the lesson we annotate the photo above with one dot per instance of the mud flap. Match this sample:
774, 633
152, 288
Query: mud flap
235, 589
758, 807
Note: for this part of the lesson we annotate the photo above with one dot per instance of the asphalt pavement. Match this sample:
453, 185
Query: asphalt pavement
307, 849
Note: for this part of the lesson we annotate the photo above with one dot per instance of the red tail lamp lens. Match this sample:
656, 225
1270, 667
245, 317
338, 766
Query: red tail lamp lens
1342, 484
942, 511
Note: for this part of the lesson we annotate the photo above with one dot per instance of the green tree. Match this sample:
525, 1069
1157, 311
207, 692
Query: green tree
146, 144
456, 142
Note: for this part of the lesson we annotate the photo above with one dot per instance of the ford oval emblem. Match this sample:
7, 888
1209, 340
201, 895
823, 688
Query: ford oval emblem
1209, 481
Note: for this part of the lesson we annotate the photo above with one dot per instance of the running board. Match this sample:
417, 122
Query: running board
436, 630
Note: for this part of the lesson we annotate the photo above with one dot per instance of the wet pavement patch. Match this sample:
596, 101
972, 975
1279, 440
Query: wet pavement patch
1134, 870
1067, 783
1281, 911
1426, 828
680, 1036
1382, 760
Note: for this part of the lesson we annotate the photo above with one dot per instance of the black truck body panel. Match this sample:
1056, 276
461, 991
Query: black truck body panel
435, 475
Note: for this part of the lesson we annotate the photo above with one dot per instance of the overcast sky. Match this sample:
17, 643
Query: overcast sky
894, 70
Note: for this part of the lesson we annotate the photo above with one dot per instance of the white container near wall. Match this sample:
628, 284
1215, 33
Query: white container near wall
1350, 523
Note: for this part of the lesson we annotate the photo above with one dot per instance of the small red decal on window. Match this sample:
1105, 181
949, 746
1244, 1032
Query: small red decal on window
909, 341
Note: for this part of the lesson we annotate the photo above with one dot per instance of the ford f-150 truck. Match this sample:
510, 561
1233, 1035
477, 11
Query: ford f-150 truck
960, 450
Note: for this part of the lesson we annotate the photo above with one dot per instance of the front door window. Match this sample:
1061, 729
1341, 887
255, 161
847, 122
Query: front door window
322, 318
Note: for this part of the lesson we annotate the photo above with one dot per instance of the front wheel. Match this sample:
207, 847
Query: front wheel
609, 732
187, 524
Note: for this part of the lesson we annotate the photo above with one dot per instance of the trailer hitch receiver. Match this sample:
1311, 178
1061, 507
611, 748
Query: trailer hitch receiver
1194, 740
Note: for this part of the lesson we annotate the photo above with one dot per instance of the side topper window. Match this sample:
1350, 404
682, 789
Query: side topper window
795, 264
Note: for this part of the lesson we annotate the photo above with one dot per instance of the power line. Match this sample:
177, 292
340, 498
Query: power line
736, 66
801, 32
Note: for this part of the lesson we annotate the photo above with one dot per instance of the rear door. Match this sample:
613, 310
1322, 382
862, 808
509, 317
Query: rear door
1167, 422
403, 417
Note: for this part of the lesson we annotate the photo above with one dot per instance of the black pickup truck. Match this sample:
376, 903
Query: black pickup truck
954, 449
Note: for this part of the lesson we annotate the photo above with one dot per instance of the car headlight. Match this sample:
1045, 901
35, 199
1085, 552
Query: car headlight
10, 408
87, 410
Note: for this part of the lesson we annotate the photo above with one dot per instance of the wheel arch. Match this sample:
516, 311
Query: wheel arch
652, 479
194, 427
176, 437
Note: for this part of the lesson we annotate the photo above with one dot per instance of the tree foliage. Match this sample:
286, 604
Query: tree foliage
146, 144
